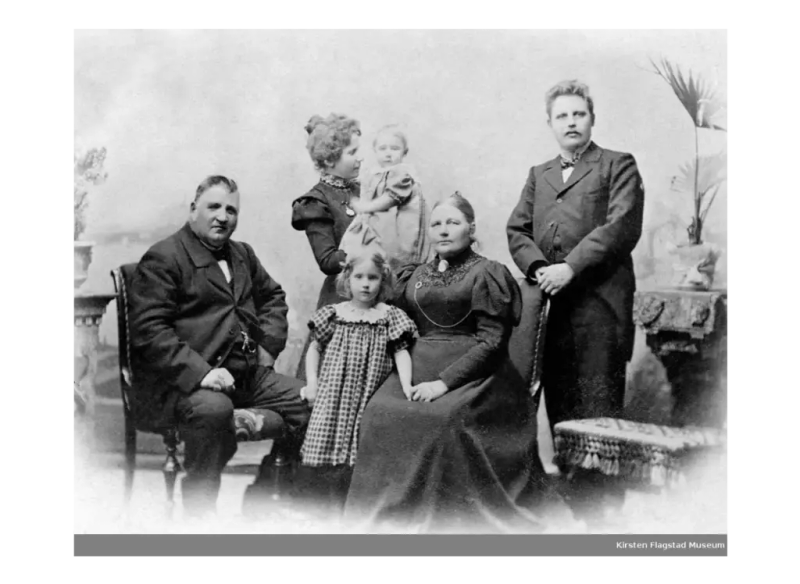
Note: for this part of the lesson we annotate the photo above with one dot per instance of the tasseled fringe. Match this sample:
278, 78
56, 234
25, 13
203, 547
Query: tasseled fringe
590, 461
658, 476
632, 461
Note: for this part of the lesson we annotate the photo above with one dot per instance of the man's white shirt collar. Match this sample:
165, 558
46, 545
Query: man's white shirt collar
566, 172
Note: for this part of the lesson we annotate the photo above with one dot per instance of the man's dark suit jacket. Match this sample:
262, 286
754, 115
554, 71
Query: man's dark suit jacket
185, 318
592, 223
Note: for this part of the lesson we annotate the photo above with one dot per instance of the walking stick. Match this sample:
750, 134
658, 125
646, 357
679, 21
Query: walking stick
538, 348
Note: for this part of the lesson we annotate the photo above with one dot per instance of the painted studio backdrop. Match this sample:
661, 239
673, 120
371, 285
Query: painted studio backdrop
173, 107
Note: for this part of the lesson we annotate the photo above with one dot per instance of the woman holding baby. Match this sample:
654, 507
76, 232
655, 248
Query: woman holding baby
455, 450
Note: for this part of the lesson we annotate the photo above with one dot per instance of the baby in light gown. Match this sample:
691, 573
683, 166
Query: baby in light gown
392, 207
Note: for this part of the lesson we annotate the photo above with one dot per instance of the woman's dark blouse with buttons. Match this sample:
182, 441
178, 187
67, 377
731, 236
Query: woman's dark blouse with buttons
324, 213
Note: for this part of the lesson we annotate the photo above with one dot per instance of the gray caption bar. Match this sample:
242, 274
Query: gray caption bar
401, 545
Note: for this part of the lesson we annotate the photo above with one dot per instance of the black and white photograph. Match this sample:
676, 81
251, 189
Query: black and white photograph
401, 281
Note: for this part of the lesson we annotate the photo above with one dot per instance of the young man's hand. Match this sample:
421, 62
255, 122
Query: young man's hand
553, 279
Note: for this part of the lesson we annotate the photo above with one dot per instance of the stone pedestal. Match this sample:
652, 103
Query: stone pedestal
83, 258
687, 330
89, 310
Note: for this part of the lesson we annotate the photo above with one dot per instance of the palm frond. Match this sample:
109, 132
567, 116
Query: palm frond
711, 171
698, 99
704, 212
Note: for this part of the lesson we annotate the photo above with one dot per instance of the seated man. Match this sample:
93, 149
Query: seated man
207, 323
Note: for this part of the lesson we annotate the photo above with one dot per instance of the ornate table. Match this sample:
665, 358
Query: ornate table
687, 330
89, 310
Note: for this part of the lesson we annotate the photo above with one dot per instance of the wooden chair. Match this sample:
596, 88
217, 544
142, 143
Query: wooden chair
526, 344
251, 424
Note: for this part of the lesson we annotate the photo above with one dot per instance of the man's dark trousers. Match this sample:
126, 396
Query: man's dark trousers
205, 423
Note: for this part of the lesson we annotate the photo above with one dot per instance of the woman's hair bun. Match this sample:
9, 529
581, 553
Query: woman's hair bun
313, 123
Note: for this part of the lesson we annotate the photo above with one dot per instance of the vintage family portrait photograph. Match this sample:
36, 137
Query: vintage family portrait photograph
400, 281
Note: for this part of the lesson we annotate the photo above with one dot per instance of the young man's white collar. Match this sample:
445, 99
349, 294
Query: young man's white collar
573, 157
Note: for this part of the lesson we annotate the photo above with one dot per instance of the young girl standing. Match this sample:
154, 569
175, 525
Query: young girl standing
393, 193
353, 349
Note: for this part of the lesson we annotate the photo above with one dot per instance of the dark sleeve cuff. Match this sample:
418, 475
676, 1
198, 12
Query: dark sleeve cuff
272, 346
190, 379
532, 269
450, 378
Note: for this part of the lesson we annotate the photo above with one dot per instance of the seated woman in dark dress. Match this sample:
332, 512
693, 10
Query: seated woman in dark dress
459, 453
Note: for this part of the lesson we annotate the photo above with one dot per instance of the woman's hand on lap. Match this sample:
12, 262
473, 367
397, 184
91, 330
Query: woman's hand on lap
428, 391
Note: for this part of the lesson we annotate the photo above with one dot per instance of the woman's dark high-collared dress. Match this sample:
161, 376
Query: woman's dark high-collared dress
323, 213
465, 461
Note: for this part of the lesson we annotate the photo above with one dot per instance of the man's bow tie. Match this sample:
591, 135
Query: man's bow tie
220, 254
567, 163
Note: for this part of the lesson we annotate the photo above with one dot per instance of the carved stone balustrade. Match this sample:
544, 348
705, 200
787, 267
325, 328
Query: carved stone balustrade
89, 310
687, 330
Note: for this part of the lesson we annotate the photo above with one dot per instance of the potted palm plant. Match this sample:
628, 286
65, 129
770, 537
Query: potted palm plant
702, 177
88, 173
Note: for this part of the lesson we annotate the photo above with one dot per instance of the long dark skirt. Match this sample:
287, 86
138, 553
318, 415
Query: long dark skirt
466, 462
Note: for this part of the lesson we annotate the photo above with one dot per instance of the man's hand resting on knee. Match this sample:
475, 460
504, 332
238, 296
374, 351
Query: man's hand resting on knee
218, 380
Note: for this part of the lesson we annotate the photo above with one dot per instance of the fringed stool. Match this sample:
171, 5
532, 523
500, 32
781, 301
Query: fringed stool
633, 454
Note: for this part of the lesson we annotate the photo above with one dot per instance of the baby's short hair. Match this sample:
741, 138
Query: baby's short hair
395, 131
379, 260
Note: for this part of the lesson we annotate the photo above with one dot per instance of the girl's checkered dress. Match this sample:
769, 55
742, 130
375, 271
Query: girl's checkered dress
356, 358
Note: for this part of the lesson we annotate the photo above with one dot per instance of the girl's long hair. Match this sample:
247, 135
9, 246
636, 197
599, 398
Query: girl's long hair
380, 261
